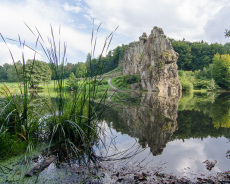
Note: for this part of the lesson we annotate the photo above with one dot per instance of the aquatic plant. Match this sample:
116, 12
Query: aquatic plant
69, 121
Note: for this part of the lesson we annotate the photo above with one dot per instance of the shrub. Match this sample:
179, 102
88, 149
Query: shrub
181, 73
130, 79
126, 80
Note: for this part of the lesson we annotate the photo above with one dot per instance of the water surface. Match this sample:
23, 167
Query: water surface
172, 135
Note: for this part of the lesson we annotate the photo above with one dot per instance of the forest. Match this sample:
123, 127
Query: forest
197, 55
202, 65
108, 63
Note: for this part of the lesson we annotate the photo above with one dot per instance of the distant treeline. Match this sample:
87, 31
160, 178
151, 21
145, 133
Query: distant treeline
197, 55
92, 66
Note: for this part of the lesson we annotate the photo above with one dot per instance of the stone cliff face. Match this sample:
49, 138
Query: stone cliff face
155, 60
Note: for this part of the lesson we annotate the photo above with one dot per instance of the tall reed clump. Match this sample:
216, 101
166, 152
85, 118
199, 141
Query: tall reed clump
73, 119
17, 115
69, 122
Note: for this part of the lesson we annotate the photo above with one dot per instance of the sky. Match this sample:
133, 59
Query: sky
194, 20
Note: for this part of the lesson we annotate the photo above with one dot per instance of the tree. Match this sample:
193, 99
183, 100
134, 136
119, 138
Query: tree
227, 33
37, 72
185, 58
3, 74
12, 75
68, 69
221, 70
81, 70
197, 55
14, 72
72, 82
101, 65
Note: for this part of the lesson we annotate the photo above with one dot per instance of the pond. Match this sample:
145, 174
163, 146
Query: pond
147, 133
171, 135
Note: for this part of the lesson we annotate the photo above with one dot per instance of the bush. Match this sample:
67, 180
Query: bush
181, 73
126, 80
104, 82
131, 79
200, 79
120, 83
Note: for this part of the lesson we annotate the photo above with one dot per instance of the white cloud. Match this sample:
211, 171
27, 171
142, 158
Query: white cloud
41, 14
16, 52
33, 12
75, 9
216, 25
82, 26
180, 18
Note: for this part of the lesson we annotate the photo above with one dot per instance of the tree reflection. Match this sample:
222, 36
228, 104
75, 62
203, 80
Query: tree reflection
203, 115
156, 120
151, 119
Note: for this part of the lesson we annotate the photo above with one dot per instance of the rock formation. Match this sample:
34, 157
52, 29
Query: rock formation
154, 59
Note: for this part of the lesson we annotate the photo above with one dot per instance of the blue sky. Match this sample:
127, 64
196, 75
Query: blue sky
194, 20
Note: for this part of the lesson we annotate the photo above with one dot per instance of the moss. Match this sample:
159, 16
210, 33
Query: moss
138, 58
167, 55
142, 56
150, 68
159, 64
167, 126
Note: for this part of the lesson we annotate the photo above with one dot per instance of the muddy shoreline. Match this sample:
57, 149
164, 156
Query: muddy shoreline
112, 174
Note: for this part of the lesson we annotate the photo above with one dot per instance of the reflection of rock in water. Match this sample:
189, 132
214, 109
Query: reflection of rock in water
153, 121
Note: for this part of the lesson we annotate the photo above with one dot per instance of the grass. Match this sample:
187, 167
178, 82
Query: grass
115, 72
124, 86
45, 88
49, 89
103, 85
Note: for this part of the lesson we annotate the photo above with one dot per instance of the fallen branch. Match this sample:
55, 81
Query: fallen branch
40, 166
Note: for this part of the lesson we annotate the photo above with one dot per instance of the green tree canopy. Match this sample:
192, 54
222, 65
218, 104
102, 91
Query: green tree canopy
185, 58
72, 82
197, 55
81, 70
3, 74
101, 65
221, 70
37, 72
14, 72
